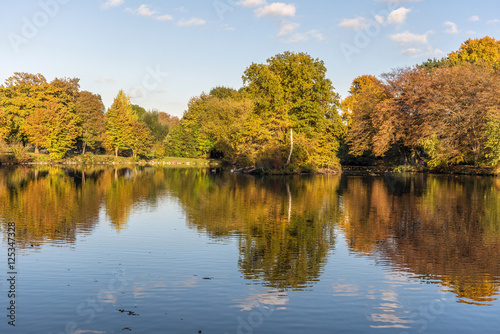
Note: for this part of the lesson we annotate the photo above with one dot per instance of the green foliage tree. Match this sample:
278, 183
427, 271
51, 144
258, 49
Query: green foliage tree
139, 111
210, 126
291, 92
159, 127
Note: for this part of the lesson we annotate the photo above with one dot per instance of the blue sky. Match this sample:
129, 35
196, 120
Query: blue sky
162, 53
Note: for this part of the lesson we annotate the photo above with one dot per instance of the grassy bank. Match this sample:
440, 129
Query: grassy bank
29, 158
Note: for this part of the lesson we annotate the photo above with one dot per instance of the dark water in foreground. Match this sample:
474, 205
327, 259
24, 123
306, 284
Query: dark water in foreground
150, 250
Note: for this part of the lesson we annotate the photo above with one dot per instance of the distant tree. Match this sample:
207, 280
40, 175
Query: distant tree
224, 92
181, 142
90, 109
167, 119
480, 50
65, 90
432, 64
142, 140
159, 129
119, 123
139, 111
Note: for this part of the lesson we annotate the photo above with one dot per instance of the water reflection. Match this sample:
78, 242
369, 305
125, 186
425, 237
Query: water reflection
438, 229
286, 225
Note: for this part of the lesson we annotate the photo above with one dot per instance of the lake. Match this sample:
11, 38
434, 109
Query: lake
186, 250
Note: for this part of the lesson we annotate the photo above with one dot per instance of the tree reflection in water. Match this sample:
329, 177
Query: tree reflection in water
441, 229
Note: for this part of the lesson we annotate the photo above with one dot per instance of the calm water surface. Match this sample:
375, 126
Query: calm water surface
152, 250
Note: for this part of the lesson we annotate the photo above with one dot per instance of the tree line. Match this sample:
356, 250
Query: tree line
442, 112
286, 117
58, 117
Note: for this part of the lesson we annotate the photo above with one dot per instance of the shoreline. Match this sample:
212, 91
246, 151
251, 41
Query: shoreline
348, 170
453, 170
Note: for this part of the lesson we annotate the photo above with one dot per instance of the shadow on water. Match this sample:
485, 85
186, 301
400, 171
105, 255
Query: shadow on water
440, 229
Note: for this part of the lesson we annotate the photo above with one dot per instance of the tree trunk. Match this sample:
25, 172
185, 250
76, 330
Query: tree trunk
37, 150
289, 202
84, 146
116, 151
291, 148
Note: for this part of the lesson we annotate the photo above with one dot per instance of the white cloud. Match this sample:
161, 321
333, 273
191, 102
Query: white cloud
407, 38
356, 23
112, 3
452, 27
471, 32
165, 17
495, 21
474, 18
435, 52
398, 16
144, 10
288, 28
410, 51
304, 37
252, 3
276, 9
181, 9
191, 22
228, 27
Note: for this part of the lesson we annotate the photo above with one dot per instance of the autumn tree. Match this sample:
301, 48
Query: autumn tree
5, 124
401, 120
90, 109
119, 120
124, 130
21, 95
169, 120
54, 127
359, 110
142, 140
484, 50
466, 109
